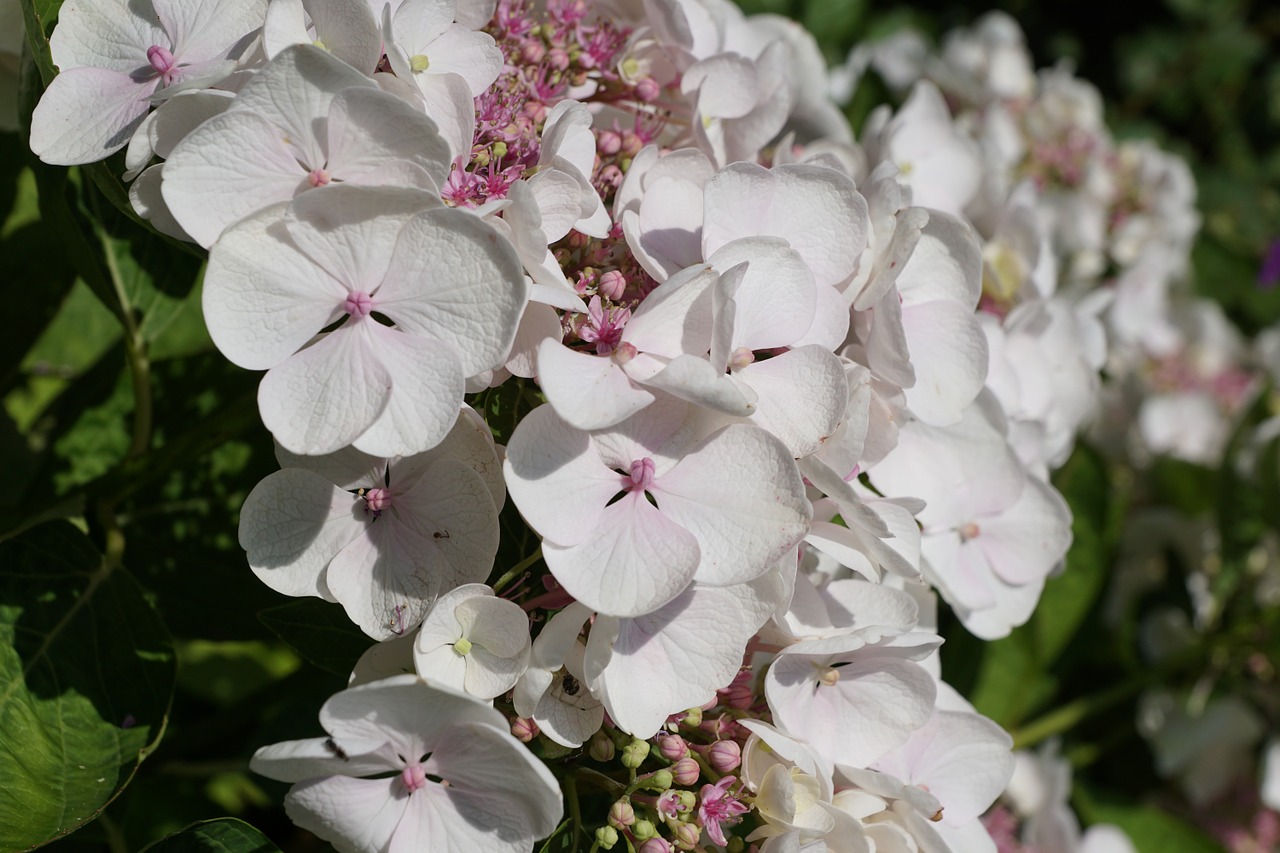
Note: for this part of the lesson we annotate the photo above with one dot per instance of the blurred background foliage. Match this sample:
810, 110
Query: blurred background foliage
118, 414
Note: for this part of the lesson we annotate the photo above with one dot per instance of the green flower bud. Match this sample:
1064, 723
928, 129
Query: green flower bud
601, 748
692, 717
606, 837
659, 780
634, 754
621, 814
643, 830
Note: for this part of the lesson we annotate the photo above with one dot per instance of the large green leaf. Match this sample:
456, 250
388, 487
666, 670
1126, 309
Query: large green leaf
86, 676
320, 632
223, 835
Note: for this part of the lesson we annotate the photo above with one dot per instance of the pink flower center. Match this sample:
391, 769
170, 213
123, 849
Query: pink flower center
358, 305
377, 500
319, 178
968, 531
414, 777
641, 475
161, 59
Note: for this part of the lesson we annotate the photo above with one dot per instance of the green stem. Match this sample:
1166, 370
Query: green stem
116, 842
575, 808
1073, 713
517, 570
135, 346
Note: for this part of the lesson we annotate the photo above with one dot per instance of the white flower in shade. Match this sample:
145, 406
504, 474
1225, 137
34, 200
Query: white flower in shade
424, 42
724, 509
447, 774
345, 28
382, 537
553, 691
304, 121
450, 284
473, 641
114, 56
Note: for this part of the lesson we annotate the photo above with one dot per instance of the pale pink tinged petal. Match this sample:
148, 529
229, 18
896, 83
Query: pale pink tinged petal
366, 129
87, 114
139, 151
146, 196
297, 760
489, 675
448, 101
675, 318
470, 441
396, 173
292, 524
737, 202
966, 765
830, 323
873, 707
102, 34
354, 815
295, 90
567, 134
501, 627
451, 509
906, 234
385, 580
657, 431
1014, 606
1029, 538
673, 659
202, 30
177, 117
810, 202
401, 713
960, 571
946, 264
347, 468
351, 231
569, 724
740, 494
726, 85
499, 798
263, 299
538, 323
420, 22
426, 391
899, 553
474, 14
558, 196
855, 603
348, 30
887, 353
472, 55
556, 478
637, 561
801, 396
588, 391
777, 297
670, 225
454, 278
286, 24
325, 396
694, 380
949, 352
235, 164
842, 545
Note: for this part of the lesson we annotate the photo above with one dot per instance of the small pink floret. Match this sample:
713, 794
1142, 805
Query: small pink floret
319, 178
414, 777
641, 475
378, 500
358, 304
161, 59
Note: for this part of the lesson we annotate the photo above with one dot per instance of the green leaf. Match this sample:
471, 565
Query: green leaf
223, 835
1148, 827
86, 676
320, 632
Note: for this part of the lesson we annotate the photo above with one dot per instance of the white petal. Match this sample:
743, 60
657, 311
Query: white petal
587, 391
426, 391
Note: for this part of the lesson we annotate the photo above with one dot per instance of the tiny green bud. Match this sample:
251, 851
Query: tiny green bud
462, 646
499, 150
692, 717
687, 800
660, 780
606, 837
621, 814
634, 753
643, 830
736, 845
419, 63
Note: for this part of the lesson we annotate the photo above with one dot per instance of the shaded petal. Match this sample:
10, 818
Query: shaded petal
354, 815
426, 391
87, 114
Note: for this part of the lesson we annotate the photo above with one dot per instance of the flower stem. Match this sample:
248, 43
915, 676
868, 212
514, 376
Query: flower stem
519, 567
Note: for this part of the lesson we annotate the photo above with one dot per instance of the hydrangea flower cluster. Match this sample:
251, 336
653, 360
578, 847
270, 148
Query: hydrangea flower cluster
790, 388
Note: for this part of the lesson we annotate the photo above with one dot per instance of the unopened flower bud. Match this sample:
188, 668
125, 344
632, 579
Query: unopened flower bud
736, 845
606, 837
685, 772
654, 845
532, 52
558, 58
524, 729
613, 284
692, 717
724, 756
686, 835
685, 801
643, 829
601, 747
659, 780
634, 753
672, 747
621, 814
609, 142
648, 89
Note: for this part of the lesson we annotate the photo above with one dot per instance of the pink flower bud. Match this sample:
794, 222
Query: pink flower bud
738, 694
654, 845
558, 58
686, 835
532, 51
685, 772
524, 729
612, 285
672, 747
648, 90
608, 142
724, 756
413, 777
